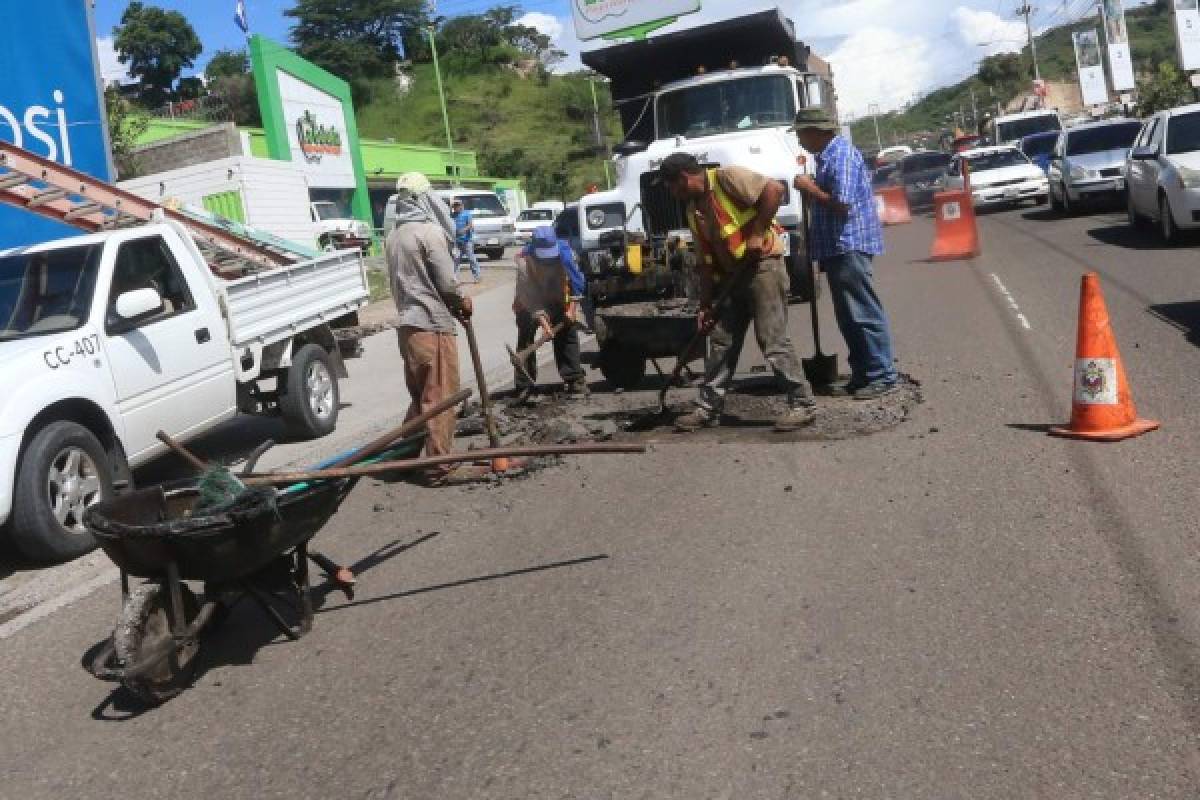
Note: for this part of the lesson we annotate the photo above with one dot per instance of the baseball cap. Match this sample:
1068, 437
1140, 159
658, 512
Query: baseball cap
544, 242
675, 165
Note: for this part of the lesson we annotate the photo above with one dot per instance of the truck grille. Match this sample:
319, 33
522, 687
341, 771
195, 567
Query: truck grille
660, 210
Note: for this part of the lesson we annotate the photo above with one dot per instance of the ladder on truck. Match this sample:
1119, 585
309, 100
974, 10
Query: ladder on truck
90, 204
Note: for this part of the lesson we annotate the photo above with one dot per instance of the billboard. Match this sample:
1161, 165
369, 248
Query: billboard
1091, 67
1187, 33
596, 18
50, 100
1120, 62
316, 129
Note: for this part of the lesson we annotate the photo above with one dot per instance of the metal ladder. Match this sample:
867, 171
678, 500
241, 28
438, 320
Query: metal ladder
90, 204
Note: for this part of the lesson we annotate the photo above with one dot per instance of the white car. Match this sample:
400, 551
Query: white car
1162, 172
530, 220
999, 176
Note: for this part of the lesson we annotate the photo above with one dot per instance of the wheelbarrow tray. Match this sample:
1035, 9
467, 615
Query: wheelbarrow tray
643, 328
144, 531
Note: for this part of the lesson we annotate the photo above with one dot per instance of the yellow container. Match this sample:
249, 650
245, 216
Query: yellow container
633, 258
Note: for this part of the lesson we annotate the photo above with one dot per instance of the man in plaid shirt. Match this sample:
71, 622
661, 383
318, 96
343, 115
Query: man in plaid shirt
846, 236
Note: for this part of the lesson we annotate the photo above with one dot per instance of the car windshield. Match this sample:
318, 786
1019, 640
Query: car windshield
326, 210
997, 159
883, 176
1106, 137
925, 162
536, 215
46, 292
1183, 134
734, 105
1027, 126
1038, 145
482, 205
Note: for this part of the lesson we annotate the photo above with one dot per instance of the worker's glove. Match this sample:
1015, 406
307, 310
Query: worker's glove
466, 309
544, 321
706, 320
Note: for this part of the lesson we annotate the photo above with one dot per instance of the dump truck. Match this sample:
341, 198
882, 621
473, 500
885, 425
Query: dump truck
725, 92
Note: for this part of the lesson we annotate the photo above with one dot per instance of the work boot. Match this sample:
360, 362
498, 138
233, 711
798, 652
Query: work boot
875, 390
523, 394
695, 420
579, 388
796, 417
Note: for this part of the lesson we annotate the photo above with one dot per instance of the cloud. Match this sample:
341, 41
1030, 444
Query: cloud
995, 33
110, 68
548, 24
561, 32
880, 66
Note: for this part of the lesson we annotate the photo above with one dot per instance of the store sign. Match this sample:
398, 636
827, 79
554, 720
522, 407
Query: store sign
1187, 33
1120, 61
596, 18
50, 100
1091, 67
317, 133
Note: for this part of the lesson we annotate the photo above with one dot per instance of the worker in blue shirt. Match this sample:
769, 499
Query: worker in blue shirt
548, 292
464, 240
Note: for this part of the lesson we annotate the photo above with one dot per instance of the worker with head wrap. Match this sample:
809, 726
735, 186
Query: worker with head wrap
428, 299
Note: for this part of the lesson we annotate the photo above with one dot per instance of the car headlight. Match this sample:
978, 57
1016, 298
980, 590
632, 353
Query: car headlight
1188, 178
1080, 174
596, 218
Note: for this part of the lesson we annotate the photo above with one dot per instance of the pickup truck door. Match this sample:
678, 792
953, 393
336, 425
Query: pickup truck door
173, 371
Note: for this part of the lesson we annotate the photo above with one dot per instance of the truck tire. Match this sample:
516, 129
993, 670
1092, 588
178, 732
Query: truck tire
62, 472
310, 398
622, 368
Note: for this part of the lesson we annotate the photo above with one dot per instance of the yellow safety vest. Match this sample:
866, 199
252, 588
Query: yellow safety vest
733, 222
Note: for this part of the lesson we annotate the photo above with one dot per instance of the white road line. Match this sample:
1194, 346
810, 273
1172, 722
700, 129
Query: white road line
1012, 303
45, 609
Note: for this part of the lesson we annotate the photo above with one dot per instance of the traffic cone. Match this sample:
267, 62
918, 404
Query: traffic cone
892, 204
955, 232
1102, 406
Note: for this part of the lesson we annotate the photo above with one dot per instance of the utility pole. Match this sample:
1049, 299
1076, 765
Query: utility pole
601, 139
1025, 10
437, 70
873, 110
974, 109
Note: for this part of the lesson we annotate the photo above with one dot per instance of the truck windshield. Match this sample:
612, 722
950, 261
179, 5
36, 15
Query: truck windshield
1014, 129
46, 292
483, 205
327, 210
762, 101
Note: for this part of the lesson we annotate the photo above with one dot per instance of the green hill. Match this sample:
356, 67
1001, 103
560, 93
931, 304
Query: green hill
1001, 78
536, 126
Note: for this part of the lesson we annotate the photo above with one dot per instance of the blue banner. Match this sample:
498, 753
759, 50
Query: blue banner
50, 100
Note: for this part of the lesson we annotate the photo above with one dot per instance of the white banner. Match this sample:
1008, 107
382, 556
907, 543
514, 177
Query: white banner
1187, 33
1091, 67
317, 134
595, 18
1120, 62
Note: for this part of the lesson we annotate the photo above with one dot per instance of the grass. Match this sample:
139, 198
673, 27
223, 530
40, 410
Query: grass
380, 287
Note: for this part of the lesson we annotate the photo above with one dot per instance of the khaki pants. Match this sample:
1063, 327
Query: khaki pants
431, 373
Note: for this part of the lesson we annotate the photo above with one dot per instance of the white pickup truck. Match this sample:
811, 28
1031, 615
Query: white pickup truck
107, 338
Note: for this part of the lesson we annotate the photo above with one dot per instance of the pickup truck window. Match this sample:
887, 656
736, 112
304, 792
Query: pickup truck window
148, 264
47, 292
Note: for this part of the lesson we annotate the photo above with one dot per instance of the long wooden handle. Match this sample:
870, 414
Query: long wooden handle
182, 451
538, 343
726, 292
485, 399
409, 465
415, 424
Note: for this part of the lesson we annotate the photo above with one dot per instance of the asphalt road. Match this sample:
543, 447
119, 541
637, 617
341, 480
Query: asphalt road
959, 607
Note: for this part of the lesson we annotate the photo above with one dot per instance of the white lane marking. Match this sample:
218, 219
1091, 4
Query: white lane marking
1011, 302
45, 609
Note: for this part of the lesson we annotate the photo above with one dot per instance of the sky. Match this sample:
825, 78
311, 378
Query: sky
884, 52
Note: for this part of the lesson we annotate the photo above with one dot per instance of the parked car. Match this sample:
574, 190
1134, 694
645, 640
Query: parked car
495, 229
1088, 162
921, 174
531, 219
1162, 172
893, 155
999, 176
1038, 147
337, 229
883, 176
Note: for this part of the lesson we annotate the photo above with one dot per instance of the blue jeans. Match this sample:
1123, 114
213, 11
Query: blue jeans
861, 318
466, 252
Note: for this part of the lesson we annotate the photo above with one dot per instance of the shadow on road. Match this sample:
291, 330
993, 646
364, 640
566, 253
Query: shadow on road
1184, 316
1130, 238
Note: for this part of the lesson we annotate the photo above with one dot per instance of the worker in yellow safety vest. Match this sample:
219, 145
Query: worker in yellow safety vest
731, 211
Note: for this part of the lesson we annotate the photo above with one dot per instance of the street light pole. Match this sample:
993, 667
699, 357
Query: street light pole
1026, 10
873, 110
437, 70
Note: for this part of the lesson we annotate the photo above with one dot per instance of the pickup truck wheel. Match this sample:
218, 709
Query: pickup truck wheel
310, 402
63, 471
621, 368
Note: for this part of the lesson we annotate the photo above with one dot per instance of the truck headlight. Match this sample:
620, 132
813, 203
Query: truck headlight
596, 218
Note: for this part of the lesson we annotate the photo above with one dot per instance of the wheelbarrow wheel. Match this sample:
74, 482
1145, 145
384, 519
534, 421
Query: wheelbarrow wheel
622, 368
144, 628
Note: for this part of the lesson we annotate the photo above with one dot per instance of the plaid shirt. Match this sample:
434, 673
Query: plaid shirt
842, 173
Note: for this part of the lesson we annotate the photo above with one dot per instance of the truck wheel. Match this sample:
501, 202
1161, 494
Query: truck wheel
495, 254
62, 472
621, 368
310, 399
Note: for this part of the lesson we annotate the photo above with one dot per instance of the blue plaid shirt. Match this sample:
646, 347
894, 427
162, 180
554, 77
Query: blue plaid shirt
842, 173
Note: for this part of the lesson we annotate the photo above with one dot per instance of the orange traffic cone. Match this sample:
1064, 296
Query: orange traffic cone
1102, 405
892, 204
955, 232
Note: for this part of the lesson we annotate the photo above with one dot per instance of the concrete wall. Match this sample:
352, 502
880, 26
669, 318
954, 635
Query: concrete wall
188, 149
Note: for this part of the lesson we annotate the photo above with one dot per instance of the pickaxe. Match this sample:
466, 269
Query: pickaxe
519, 358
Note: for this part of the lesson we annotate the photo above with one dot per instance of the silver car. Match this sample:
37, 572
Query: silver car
1088, 162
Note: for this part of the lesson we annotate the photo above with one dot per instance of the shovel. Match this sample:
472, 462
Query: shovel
485, 399
519, 357
821, 370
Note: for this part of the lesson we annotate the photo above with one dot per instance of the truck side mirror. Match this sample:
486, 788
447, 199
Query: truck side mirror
136, 305
630, 147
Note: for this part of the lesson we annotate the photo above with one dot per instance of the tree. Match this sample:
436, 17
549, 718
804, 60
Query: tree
357, 40
227, 62
156, 46
1165, 88
125, 126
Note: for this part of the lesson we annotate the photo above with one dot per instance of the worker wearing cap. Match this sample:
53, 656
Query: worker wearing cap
428, 300
845, 237
549, 288
731, 212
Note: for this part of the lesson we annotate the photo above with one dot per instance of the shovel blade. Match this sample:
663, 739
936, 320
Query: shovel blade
821, 370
